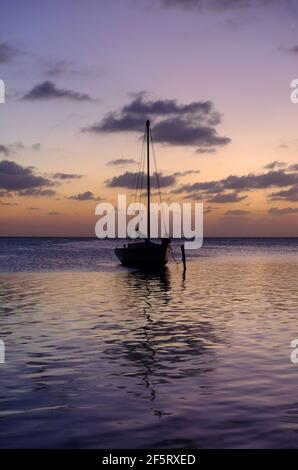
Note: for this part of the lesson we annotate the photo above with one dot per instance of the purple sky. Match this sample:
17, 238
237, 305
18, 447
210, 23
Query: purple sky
213, 76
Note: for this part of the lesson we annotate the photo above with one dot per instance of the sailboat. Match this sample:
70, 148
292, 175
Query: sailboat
144, 253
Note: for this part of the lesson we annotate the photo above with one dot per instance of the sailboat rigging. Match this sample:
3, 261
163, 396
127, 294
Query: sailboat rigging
145, 254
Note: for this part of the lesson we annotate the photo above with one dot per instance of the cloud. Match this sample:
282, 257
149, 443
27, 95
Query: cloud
224, 198
54, 213
236, 213
192, 124
8, 52
186, 173
58, 67
86, 196
292, 50
193, 196
248, 182
219, 5
229, 189
48, 90
4, 149
261, 181
37, 192
285, 195
129, 180
32, 208
293, 167
206, 150
284, 211
141, 106
14, 177
67, 176
121, 161
5, 194
112, 123
209, 209
274, 165
8, 203
17, 146
183, 132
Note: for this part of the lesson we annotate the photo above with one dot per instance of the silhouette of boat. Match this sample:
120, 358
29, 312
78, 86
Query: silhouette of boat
144, 253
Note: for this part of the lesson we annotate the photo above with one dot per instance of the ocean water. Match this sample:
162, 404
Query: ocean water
100, 356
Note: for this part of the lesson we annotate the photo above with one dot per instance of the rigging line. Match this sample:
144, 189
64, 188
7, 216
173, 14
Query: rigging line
139, 170
139, 182
158, 183
138, 193
139, 163
142, 172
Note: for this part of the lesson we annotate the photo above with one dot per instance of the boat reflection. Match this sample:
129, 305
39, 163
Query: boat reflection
167, 345
148, 283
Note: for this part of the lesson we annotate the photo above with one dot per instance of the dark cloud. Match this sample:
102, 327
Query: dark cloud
67, 176
5, 150
184, 132
284, 211
54, 213
113, 123
14, 177
236, 213
121, 161
191, 124
224, 198
48, 90
262, 181
201, 109
129, 179
32, 208
86, 196
274, 165
244, 183
37, 192
293, 168
285, 195
8, 52
193, 196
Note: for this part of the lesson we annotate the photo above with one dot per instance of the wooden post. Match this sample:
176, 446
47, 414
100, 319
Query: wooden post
183, 258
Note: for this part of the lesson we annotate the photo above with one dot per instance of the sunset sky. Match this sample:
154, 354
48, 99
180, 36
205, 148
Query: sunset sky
212, 76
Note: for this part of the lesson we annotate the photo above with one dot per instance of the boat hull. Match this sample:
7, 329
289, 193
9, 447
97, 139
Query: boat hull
144, 255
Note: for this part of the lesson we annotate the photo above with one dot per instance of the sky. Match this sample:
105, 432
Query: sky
213, 77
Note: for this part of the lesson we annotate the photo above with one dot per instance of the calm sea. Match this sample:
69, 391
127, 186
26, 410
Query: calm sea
101, 356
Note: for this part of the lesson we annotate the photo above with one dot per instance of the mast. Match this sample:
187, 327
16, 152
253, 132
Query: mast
148, 179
